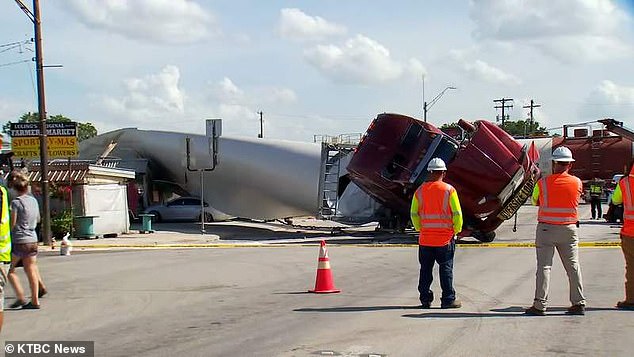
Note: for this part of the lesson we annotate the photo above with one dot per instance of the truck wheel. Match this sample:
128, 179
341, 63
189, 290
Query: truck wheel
484, 237
208, 217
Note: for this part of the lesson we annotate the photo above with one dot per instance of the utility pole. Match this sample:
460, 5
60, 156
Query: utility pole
261, 134
531, 106
425, 112
503, 106
34, 16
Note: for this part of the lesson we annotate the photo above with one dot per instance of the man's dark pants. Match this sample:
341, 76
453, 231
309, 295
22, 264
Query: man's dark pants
444, 257
595, 206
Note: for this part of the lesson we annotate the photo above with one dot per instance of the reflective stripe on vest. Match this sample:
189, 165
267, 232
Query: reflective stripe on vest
436, 223
628, 206
550, 210
5, 228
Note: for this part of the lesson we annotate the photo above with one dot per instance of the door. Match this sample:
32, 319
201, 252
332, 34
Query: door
192, 209
176, 210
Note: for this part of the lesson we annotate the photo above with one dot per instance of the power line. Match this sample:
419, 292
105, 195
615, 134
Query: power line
9, 48
531, 106
12, 63
33, 86
503, 106
11, 45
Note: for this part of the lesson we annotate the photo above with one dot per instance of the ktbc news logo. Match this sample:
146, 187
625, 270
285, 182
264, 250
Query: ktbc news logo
50, 348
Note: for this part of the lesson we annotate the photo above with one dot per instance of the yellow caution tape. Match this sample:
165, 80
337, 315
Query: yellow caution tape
599, 244
613, 244
602, 244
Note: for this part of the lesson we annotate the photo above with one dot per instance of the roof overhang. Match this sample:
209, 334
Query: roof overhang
78, 172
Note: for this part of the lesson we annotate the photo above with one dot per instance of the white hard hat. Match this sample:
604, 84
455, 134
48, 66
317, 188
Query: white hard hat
562, 154
436, 164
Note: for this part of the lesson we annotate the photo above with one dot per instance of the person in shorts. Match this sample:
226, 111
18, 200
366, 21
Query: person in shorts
25, 214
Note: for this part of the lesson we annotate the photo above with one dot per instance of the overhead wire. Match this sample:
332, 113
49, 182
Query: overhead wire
12, 63
21, 46
13, 45
10, 44
30, 72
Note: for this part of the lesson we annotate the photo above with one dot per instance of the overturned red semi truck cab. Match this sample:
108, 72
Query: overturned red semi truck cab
493, 174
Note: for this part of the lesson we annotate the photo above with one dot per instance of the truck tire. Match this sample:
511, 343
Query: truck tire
484, 237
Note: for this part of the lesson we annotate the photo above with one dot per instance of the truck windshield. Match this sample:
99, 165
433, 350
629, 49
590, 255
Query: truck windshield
446, 150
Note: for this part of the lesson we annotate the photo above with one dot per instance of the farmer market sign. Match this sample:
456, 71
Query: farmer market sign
61, 140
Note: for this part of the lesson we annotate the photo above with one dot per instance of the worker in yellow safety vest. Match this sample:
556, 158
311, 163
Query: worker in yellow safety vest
558, 197
624, 193
596, 190
5, 246
436, 214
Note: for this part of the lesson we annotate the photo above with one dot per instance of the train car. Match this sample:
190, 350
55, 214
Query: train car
601, 150
493, 173
597, 152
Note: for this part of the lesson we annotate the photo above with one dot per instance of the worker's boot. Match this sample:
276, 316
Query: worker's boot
456, 304
578, 309
533, 311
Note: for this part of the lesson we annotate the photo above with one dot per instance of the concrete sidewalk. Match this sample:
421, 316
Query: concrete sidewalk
247, 233
233, 233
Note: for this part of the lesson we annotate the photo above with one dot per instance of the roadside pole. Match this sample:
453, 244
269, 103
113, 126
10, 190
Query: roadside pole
202, 202
213, 132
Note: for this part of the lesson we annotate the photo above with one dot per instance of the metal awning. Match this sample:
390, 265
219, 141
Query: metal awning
59, 175
77, 171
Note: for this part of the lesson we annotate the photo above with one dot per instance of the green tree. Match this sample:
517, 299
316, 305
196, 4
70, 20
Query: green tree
522, 127
447, 126
84, 130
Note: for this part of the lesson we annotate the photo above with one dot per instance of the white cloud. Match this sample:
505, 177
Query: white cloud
166, 21
239, 107
590, 48
278, 95
480, 70
296, 25
615, 94
609, 99
361, 60
416, 69
227, 91
569, 30
158, 102
151, 97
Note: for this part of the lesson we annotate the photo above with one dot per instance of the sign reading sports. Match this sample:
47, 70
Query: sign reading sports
61, 140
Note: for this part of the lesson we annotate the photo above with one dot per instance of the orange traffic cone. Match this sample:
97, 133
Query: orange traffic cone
324, 283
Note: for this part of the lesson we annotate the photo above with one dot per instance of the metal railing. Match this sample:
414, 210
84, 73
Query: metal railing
351, 138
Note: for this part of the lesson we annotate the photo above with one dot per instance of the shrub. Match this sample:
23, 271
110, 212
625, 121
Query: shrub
61, 224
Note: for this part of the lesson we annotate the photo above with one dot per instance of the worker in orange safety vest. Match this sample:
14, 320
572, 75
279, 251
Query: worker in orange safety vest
624, 193
436, 214
558, 198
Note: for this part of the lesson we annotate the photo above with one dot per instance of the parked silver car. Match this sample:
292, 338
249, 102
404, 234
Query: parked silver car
180, 209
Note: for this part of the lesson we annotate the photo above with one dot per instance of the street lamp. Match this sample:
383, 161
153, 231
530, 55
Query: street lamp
427, 106
34, 16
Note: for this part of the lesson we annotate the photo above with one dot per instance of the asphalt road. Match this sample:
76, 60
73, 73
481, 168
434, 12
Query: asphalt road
253, 302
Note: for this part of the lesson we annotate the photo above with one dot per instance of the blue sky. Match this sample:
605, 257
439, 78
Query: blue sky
319, 67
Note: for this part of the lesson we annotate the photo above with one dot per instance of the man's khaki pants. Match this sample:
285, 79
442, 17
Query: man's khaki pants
627, 244
563, 238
